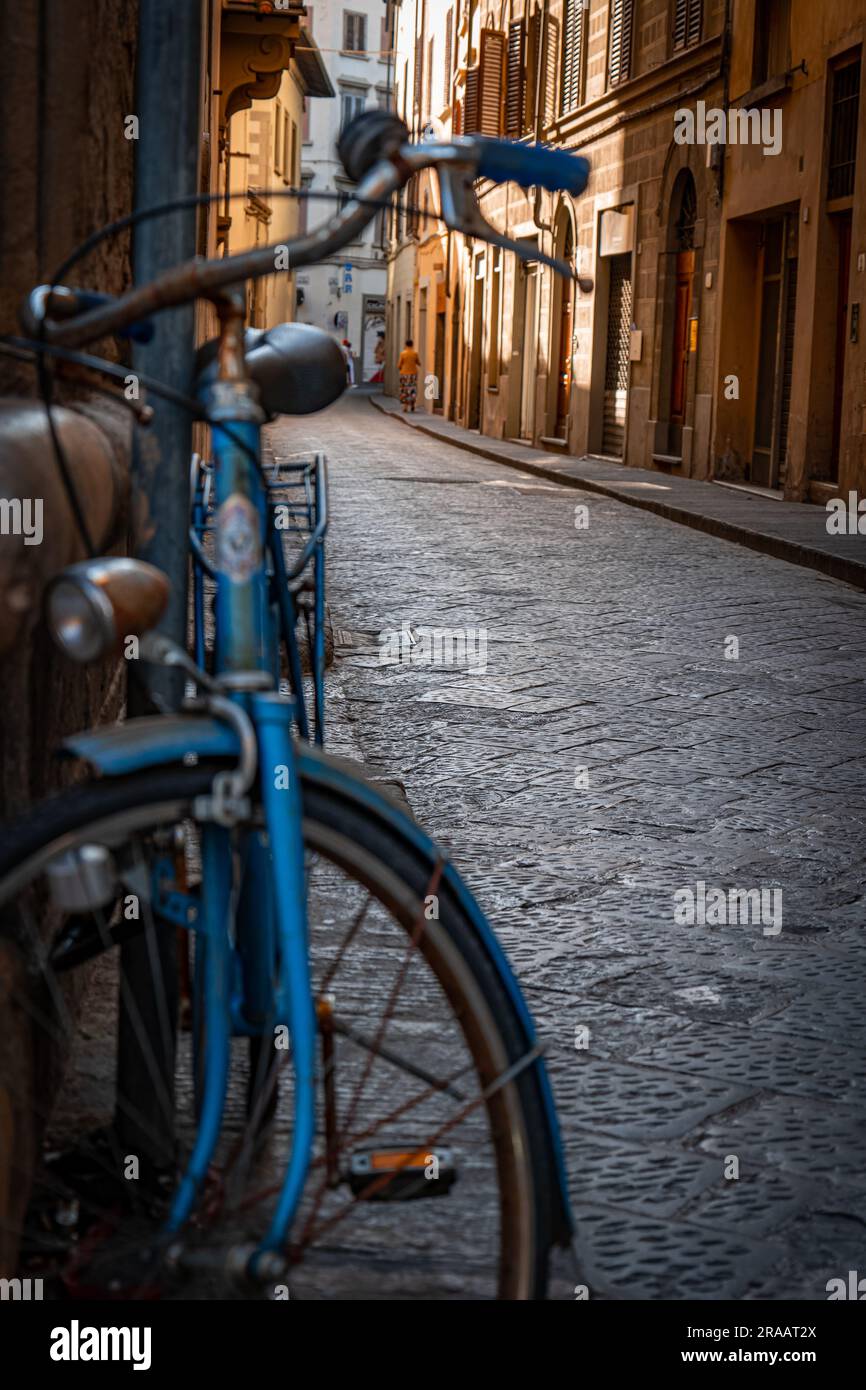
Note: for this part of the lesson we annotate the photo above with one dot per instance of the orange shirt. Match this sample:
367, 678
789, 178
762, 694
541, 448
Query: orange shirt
409, 362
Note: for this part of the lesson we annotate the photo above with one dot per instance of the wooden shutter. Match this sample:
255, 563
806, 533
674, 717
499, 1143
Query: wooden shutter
572, 55
621, 30
551, 55
419, 75
429, 92
490, 70
533, 44
470, 113
457, 118
449, 26
515, 83
695, 21
688, 18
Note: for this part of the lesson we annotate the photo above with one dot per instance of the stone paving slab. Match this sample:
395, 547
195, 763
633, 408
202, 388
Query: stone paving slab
796, 532
705, 1041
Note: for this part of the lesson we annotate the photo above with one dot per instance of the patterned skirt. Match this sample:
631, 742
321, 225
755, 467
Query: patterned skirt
408, 389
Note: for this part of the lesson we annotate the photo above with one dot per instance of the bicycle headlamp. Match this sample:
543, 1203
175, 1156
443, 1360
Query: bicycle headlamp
92, 607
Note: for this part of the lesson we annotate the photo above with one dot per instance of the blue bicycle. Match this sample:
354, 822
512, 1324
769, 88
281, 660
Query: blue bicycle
390, 1055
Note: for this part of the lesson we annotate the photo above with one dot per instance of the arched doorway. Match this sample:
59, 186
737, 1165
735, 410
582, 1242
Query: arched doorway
684, 213
563, 331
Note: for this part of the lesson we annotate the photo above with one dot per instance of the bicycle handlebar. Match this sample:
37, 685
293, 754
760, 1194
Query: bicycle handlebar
509, 160
471, 157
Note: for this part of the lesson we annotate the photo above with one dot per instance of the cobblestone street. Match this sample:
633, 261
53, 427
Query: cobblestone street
610, 755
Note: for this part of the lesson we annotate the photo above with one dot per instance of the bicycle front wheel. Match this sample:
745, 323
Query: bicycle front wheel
424, 1088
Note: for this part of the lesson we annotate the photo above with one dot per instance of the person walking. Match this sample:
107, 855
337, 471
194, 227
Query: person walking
350, 361
407, 370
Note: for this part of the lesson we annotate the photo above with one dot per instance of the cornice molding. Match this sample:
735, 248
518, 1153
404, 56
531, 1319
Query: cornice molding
253, 59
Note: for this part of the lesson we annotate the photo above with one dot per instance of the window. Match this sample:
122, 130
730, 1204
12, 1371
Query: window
354, 32
549, 72
385, 36
306, 136
431, 54
278, 139
288, 150
619, 50
449, 39
470, 117
771, 54
293, 170
572, 55
483, 109
515, 81
418, 75
845, 105
688, 16
351, 105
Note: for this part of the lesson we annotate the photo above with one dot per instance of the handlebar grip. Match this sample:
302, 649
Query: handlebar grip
506, 161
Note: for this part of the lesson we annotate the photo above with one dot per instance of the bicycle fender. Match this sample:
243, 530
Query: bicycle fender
162, 739
154, 740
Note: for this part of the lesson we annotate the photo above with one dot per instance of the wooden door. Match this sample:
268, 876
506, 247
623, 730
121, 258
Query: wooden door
563, 392
843, 223
682, 314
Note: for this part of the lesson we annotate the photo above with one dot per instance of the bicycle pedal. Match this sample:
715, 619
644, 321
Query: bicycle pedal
402, 1174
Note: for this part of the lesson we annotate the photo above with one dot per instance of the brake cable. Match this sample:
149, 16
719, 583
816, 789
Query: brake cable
110, 229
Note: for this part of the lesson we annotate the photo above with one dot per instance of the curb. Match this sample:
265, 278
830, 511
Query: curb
838, 567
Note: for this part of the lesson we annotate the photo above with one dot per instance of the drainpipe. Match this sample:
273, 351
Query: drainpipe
168, 64
727, 38
540, 75
726, 77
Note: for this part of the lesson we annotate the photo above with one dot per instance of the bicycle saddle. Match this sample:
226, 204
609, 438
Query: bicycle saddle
297, 368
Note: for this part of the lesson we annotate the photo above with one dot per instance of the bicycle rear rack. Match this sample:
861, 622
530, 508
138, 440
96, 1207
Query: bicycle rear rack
298, 521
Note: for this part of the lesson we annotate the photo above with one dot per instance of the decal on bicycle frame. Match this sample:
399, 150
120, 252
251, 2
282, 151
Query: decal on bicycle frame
239, 548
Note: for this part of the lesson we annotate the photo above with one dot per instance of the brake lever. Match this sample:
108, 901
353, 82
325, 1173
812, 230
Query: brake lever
460, 212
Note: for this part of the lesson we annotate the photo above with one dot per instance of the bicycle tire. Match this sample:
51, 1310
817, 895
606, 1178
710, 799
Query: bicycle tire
367, 849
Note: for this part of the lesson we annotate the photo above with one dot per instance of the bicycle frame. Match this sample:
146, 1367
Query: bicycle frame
234, 977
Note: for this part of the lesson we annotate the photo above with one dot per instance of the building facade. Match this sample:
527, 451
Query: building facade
791, 371
688, 345
346, 294
266, 70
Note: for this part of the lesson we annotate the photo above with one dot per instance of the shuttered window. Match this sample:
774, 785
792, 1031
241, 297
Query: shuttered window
446, 88
533, 43
419, 75
688, 17
549, 71
354, 32
621, 33
515, 81
490, 72
428, 95
470, 113
572, 55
